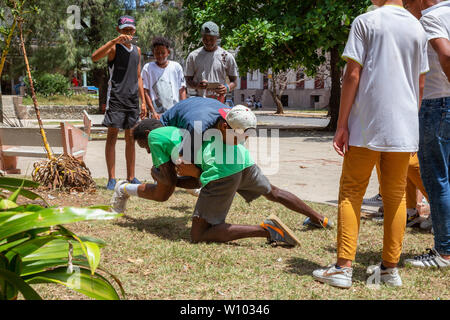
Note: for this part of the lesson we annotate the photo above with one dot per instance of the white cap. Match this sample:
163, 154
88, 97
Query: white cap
241, 118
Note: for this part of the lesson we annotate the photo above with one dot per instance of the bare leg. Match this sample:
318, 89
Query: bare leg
110, 152
130, 154
293, 203
202, 231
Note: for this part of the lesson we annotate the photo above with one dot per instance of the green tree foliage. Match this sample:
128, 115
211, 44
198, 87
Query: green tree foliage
279, 34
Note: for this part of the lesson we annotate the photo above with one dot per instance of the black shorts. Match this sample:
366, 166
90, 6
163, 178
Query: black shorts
216, 197
121, 119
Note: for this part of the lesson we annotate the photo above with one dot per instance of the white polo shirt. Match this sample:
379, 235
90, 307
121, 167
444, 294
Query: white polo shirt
391, 46
436, 22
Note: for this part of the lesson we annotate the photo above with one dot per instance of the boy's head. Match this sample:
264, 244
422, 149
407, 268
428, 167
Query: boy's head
210, 35
143, 129
237, 121
126, 25
161, 49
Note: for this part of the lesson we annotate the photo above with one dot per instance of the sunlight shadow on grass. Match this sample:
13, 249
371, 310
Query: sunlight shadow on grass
169, 228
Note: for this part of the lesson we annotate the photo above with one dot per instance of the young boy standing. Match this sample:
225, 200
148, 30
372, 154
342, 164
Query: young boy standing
434, 124
164, 83
125, 88
378, 121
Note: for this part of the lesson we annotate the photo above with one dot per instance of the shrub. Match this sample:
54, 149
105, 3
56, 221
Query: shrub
49, 84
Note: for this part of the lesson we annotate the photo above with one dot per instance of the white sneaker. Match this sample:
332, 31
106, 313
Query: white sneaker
333, 276
374, 201
119, 199
427, 260
389, 276
427, 224
194, 192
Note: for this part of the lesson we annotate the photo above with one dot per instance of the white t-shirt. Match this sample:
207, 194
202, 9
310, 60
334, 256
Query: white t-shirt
212, 66
391, 45
436, 22
172, 76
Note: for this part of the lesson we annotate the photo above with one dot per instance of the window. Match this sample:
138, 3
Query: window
285, 100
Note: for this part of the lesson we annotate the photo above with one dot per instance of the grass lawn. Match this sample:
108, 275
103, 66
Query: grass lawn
60, 100
150, 251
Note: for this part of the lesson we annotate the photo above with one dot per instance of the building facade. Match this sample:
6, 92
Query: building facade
301, 92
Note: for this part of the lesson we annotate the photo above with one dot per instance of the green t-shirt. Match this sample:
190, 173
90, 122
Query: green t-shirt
222, 160
219, 160
164, 143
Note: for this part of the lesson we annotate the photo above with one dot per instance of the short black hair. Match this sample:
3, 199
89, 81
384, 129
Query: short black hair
139, 131
161, 41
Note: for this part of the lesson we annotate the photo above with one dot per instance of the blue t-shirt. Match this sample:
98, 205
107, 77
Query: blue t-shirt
185, 114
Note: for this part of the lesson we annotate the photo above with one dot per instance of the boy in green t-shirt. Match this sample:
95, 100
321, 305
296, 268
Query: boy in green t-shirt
226, 168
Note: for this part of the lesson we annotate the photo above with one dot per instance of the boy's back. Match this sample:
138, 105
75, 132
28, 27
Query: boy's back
390, 44
436, 21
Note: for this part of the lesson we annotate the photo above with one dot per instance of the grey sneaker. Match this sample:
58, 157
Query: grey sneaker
427, 224
279, 232
413, 218
326, 224
336, 277
389, 276
119, 199
432, 259
374, 201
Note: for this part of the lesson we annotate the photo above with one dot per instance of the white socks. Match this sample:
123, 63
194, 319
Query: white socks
129, 189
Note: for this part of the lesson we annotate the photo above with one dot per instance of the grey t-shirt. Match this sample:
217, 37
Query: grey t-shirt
212, 66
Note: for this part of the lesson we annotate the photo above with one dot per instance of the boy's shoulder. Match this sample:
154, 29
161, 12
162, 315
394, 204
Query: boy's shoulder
175, 65
196, 52
437, 11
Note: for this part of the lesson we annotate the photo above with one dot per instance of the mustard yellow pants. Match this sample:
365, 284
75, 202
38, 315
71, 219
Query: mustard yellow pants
356, 171
413, 182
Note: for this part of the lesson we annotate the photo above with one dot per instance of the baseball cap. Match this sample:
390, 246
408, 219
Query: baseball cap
211, 29
126, 22
240, 118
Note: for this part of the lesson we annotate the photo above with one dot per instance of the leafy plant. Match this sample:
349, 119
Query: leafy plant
49, 84
36, 248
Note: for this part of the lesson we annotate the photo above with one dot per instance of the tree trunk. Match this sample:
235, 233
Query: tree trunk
1, 103
276, 96
3, 60
101, 82
335, 98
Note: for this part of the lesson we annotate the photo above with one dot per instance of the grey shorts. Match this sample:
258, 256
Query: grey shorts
217, 196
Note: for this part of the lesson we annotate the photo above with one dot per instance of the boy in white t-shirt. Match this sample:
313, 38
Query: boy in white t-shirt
434, 124
164, 82
378, 121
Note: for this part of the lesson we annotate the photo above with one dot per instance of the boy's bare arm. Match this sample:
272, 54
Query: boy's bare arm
141, 89
442, 47
350, 86
421, 87
109, 48
183, 95
148, 99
